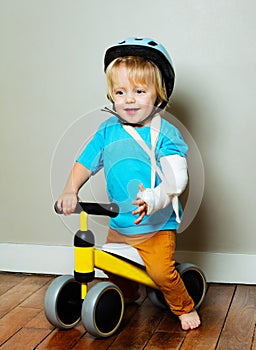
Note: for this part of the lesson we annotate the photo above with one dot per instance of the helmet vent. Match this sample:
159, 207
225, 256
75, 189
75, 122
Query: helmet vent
152, 43
138, 39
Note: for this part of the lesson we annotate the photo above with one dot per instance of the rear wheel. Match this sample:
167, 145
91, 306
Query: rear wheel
194, 280
157, 298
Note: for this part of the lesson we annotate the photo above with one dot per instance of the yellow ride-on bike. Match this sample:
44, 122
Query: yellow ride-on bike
101, 308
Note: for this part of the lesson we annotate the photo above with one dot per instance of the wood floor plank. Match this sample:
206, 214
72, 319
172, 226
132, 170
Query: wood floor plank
9, 280
168, 335
140, 328
89, 343
62, 340
20, 292
14, 321
171, 324
36, 300
165, 341
40, 322
25, 339
213, 313
239, 327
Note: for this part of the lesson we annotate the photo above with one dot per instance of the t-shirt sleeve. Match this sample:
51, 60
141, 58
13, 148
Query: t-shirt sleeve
92, 155
171, 142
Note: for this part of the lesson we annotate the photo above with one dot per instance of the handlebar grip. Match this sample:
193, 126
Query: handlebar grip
110, 209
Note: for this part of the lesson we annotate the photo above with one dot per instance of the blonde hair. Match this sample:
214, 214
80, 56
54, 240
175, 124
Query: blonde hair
140, 71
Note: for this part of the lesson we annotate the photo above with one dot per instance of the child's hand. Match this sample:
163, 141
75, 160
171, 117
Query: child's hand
67, 203
142, 207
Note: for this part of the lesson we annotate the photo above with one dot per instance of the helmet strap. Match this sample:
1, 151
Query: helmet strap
154, 111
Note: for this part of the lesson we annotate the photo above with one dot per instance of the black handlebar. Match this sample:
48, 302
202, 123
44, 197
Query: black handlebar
111, 209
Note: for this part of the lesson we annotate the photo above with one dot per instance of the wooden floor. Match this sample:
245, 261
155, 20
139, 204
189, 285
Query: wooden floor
227, 313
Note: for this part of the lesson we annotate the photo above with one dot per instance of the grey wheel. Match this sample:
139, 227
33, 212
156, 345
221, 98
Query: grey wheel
194, 280
157, 298
103, 309
62, 302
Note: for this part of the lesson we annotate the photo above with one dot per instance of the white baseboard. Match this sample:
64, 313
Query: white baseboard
223, 267
218, 267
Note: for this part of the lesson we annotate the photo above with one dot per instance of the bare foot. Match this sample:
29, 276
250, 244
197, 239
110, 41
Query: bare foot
190, 320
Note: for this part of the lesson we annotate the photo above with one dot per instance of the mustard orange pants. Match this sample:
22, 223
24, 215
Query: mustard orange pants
157, 251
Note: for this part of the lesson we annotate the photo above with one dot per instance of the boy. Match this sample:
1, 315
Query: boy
144, 160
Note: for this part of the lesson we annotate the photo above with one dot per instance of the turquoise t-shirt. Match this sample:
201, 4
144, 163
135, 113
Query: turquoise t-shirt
126, 166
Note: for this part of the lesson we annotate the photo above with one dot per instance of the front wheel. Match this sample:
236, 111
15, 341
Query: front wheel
103, 309
62, 302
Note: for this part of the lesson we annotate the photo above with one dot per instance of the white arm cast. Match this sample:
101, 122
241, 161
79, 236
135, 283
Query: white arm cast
174, 168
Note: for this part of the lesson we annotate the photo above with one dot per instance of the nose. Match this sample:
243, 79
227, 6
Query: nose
130, 98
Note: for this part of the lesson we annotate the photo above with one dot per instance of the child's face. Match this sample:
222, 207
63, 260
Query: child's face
133, 102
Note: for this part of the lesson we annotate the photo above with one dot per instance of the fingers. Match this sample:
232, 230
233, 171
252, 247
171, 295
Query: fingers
141, 210
67, 203
69, 207
142, 206
59, 204
138, 202
140, 218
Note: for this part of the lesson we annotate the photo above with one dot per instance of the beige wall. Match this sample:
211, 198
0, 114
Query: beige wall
51, 74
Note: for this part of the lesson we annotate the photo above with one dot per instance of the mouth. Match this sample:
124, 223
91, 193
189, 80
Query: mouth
131, 111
